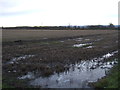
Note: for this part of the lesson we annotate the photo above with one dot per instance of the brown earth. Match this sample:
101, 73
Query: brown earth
53, 54
12, 35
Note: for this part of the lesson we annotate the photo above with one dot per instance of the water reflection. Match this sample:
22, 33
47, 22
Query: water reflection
78, 75
14, 60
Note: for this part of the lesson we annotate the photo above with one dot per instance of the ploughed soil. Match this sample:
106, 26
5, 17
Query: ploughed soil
46, 56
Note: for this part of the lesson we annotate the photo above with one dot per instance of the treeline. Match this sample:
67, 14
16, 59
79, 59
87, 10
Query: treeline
89, 27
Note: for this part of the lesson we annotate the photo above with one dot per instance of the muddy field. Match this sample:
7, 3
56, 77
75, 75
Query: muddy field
57, 59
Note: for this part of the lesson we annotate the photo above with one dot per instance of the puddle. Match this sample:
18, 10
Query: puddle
90, 47
87, 39
13, 71
78, 75
81, 45
62, 41
29, 75
13, 60
78, 39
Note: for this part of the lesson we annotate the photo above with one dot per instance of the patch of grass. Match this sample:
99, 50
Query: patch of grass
6, 86
110, 81
13, 82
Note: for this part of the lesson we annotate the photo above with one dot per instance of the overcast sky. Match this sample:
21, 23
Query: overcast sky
58, 12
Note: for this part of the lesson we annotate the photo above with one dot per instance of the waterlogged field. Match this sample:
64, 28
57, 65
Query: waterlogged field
57, 59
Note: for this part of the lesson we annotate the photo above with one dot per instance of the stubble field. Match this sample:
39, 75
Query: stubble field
57, 58
12, 35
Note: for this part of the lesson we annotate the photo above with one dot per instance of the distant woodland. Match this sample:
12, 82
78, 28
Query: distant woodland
69, 27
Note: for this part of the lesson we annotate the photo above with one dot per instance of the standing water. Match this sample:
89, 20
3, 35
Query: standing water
14, 60
78, 75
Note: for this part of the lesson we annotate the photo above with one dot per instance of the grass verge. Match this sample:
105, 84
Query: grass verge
110, 81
